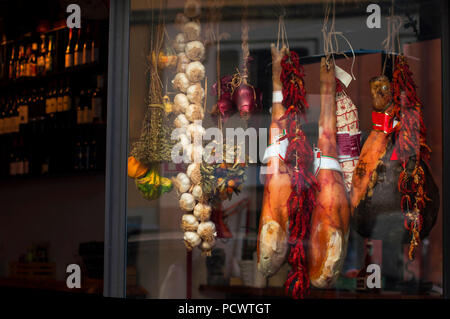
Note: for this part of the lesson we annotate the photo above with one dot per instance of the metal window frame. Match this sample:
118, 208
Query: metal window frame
445, 35
117, 149
114, 284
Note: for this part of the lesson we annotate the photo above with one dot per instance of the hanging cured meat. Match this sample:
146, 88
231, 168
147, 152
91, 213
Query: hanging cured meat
331, 215
273, 226
348, 134
394, 196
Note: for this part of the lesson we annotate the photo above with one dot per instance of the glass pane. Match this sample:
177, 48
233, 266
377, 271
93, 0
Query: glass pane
371, 226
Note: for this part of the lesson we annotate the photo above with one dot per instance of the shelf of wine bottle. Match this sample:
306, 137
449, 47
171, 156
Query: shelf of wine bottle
53, 102
36, 55
51, 146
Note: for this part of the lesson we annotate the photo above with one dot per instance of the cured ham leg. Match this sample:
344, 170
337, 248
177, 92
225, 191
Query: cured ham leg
331, 216
374, 147
274, 222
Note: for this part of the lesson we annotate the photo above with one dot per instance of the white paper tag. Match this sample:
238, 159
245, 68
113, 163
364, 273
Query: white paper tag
343, 76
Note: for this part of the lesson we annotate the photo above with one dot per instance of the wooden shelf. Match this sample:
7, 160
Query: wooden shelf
80, 69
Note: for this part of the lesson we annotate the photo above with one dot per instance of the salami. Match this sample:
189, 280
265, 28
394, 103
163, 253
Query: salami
348, 134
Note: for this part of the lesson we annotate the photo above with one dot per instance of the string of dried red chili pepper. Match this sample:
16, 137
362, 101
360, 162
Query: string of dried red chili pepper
410, 135
299, 156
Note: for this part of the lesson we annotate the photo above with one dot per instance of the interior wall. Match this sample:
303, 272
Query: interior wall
60, 211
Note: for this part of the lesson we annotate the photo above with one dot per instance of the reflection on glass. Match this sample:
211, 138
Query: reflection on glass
204, 80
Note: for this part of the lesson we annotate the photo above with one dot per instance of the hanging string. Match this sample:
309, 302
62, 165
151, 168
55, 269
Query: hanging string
282, 34
244, 38
391, 44
330, 38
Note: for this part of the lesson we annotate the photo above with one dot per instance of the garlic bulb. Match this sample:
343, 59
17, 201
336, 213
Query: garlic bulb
195, 71
207, 231
181, 121
194, 113
195, 132
197, 192
192, 30
179, 44
195, 50
206, 247
193, 172
183, 62
191, 239
181, 82
180, 21
202, 212
194, 153
192, 8
189, 223
180, 103
182, 183
195, 93
183, 140
187, 202
190, 169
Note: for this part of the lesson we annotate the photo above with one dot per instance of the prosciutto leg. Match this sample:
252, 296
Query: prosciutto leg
331, 216
274, 221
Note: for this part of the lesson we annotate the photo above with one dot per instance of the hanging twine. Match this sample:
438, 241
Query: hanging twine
244, 38
282, 34
330, 38
213, 35
391, 44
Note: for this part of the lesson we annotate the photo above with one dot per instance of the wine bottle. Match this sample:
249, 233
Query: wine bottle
77, 57
16, 115
3, 58
54, 99
49, 56
12, 65
94, 49
69, 51
60, 98
32, 67
80, 107
40, 103
10, 116
87, 111
67, 97
22, 62
28, 61
86, 56
41, 57
97, 101
19, 158
12, 162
